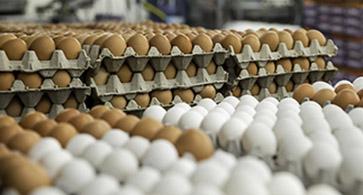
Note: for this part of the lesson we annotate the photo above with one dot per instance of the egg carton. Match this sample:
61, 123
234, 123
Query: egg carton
58, 61
265, 53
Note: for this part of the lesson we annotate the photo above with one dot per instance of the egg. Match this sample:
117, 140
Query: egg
116, 44
98, 110
211, 68
170, 36
342, 86
234, 41
101, 185
270, 38
289, 86
6, 121
160, 155
89, 40
14, 49
272, 88
164, 96
79, 121
71, 102
6, 80
11, 161
236, 91
101, 76
252, 68
139, 43
70, 47
30, 119
23, 141
112, 116
119, 102
320, 62
303, 91
183, 43
303, 62
218, 38
315, 34
169, 133
322, 189
279, 181
147, 128
162, 43
155, 111
255, 90
286, 64
323, 96
127, 123
145, 179
346, 97
47, 191
31, 80
210, 172
270, 67
14, 108
63, 132
97, 128
208, 91
66, 115
148, 73
3, 150
43, 47
124, 74
204, 41
43, 105
96, 152
253, 41
170, 182
7, 132
285, 37
187, 95
43, 147
300, 35
195, 142
4, 37
170, 71
44, 127
61, 78
191, 70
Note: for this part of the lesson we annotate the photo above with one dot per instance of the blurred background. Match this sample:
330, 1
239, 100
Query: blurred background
341, 20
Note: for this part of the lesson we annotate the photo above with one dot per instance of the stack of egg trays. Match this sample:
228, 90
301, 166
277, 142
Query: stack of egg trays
30, 97
298, 76
159, 62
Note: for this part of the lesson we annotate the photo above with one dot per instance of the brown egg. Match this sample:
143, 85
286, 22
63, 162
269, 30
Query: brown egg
14, 49
300, 35
102, 38
6, 80
360, 104
25, 179
43, 47
44, 127
70, 46
7, 132
270, 67
170, 71
191, 35
62, 78
211, 68
139, 43
79, 121
31, 80
286, 64
272, 88
191, 70
218, 38
204, 41
142, 100
320, 62
63, 132
11, 161
195, 142
125, 74
98, 111
187, 95
303, 62
323, 96
23, 141
236, 91
101, 77
345, 98
147, 127
14, 108
208, 91
289, 86
170, 36
315, 34
253, 41
66, 115
43, 105
127, 123
3, 150
71, 102
271, 39
57, 39
164, 96
252, 68
183, 43
119, 102
303, 91
30, 119
6, 121
162, 43
148, 73
234, 41
112, 116
4, 37
285, 37
90, 40
343, 86
255, 90
116, 44
169, 133
360, 93
96, 128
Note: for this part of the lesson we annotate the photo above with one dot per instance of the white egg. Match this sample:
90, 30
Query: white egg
248, 100
254, 166
78, 143
96, 152
288, 101
173, 115
316, 124
190, 119
128, 190
322, 189
339, 121
319, 85
310, 109
226, 159
286, 126
244, 116
120, 163
47, 191
288, 107
182, 105
290, 115
266, 105
160, 155
231, 100
137, 145
245, 182
54, 161
221, 110
358, 83
200, 109
272, 100
210, 172
44, 146
324, 137
356, 116
145, 179
332, 109
292, 149
182, 166
265, 119
284, 183
203, 189
230, 134
342, 82
155, 111
116, 138
207, 103
213, 122
172, 184
351, 169
350, 138
74, 176
101, 185
246, 108
227, 107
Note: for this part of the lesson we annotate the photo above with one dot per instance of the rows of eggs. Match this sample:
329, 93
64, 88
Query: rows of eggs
118, 164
